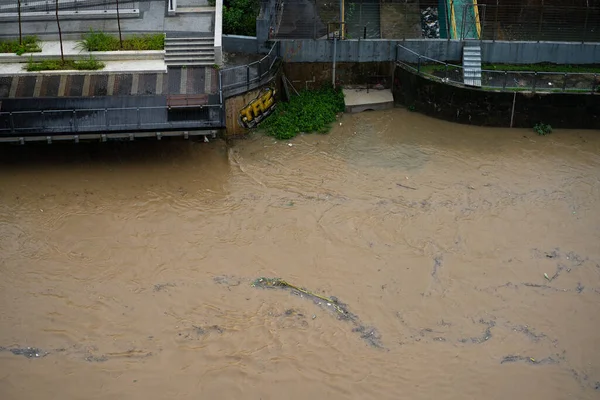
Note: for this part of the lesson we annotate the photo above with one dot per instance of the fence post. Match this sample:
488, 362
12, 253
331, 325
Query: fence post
405, 20
12, 122
535, 78
43, 120
496, 21
481, 20
139, 118
587, 11
464, 11
222, 107
594, 83
260, 70
505, 79
315, 21
446, 72
248, 76
541, 21
75, 124
564, 88
106, 118
419, 65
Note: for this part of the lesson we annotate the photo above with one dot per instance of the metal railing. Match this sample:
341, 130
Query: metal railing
501, 80
246, 77
10, 6
110, 119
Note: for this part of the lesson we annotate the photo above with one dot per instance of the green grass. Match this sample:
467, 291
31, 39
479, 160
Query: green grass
29, 45
589, 69
543, 67
100, 41
57, 65
310, 111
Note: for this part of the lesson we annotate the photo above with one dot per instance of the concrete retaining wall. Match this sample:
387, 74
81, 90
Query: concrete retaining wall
315, 75
240, 44
488, 108
377, 50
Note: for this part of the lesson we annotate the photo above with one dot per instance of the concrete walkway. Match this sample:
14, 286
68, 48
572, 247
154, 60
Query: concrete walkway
71, 49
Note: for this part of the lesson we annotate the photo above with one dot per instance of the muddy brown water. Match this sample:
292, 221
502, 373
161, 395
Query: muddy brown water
128, 266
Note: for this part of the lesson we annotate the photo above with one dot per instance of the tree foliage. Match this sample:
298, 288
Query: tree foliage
239, 17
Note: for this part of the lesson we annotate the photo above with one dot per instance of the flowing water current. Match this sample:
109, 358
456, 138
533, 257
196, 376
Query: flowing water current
468, 260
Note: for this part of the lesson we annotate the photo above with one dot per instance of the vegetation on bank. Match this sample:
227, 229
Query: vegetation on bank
542, 129
30, 44
239, 16
310, 111
58, 65
544, 67
101, 41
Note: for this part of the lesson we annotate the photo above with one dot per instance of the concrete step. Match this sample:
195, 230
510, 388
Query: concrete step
190, 53
186, 57
203, 47
190, 40
190, 63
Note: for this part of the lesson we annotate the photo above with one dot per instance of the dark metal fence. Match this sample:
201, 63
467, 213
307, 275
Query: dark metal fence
10, 6
500, 80
412, 19
110, 119
238, 79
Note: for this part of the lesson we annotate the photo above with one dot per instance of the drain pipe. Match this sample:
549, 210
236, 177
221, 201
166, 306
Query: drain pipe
333, 73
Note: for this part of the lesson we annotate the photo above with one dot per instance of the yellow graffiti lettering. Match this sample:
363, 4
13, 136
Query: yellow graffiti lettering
258, 106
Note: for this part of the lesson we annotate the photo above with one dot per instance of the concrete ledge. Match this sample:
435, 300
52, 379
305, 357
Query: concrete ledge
98, 55
219, 32
69, 15
183, 10
359, 100
108, 136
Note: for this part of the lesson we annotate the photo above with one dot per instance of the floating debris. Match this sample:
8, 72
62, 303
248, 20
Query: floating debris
487, 335
370, 334
29, 352
524, 329
529, 360
162, 286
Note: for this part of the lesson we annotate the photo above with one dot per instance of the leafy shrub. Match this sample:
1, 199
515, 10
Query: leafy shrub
57, 65
542, 129
101, 41
29, 45
310, 111
239, 17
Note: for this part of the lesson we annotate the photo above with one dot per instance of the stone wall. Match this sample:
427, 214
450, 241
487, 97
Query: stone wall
489, 108
314, 75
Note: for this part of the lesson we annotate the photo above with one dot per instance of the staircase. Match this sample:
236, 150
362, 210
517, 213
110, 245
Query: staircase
188, 51
472, 64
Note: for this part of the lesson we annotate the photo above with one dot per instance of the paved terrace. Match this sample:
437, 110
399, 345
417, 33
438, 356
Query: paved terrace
152, 18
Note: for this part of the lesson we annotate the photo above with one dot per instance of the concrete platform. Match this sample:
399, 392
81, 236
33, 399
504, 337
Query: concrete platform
115, 61
359, 100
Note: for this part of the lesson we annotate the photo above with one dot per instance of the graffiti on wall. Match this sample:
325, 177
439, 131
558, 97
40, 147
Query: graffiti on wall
258, 109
